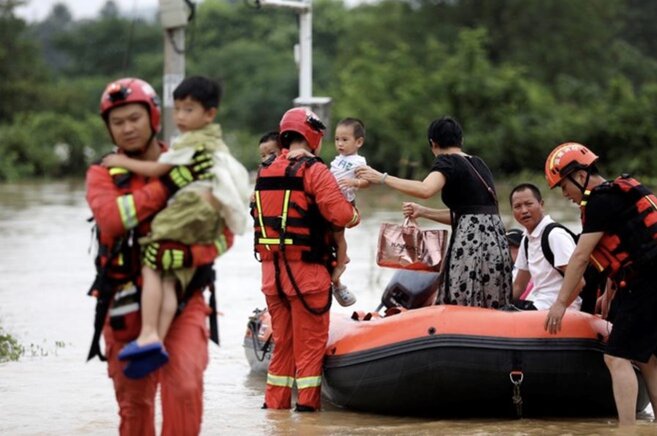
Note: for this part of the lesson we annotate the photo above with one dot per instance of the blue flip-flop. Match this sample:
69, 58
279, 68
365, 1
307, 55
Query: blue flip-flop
135, 351
142, 366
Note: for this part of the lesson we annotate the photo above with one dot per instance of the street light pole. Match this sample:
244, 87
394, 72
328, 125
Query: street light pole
174, 15
304, 56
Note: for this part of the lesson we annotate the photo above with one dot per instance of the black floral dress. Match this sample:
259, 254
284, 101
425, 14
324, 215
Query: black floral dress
478, 270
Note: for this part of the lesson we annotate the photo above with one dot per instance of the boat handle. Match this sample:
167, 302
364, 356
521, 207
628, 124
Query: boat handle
516, 377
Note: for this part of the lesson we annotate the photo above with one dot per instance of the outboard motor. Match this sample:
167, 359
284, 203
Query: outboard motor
411, 289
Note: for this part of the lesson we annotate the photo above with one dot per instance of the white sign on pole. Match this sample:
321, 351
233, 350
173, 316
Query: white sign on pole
171, 81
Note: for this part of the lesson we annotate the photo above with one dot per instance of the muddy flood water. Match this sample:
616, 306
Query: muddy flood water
45, 271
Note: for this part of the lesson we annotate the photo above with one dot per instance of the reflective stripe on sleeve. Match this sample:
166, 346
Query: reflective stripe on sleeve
128, 211
280, 380
221, 245
354, 219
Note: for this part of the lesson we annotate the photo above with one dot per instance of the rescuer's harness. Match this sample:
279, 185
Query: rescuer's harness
288, 224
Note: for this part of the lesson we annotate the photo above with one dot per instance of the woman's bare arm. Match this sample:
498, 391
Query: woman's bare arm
424, 189
414, 210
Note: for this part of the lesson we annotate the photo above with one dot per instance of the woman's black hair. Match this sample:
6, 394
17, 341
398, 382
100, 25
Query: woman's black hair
445, 132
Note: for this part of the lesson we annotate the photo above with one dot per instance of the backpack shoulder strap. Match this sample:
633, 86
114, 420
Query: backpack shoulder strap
545, 242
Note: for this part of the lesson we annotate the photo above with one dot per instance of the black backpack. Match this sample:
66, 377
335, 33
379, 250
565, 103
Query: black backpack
595, 281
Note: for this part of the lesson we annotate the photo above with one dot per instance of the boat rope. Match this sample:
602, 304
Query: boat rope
254, 327
516, 378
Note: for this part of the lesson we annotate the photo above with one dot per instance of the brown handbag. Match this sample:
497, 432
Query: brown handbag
408, 247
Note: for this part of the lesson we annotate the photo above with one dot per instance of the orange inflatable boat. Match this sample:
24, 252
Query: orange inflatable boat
460, 361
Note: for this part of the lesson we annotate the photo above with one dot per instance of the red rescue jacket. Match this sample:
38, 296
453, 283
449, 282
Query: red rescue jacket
295, 200
123, 205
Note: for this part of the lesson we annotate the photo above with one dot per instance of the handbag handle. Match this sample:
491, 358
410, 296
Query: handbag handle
409, 222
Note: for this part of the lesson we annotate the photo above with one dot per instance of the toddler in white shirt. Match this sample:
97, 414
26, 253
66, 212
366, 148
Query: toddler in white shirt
349, 138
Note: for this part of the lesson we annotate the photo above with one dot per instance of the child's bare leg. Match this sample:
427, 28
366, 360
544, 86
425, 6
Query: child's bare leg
169, 305
342, 259
151, 302
340, 292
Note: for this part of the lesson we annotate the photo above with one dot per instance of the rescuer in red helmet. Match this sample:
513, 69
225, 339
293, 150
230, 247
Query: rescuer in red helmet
123, 205
297, 200
619, 238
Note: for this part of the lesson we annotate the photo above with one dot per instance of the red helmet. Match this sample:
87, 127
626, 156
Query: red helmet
565, 159
131, 90
304, 122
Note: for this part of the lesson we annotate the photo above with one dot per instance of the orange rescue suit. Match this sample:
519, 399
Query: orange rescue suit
280, 214
123, 205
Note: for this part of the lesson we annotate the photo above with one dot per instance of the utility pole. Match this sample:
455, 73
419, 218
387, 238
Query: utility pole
304, 56
174, 15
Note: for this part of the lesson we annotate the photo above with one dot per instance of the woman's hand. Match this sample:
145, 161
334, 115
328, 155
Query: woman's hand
368, 173
411, 210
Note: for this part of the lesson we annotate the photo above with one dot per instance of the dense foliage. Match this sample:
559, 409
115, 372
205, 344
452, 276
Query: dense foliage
10, 348
521, 76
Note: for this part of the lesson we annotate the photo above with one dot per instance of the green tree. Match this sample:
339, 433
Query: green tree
109, 46
58, 20
50, 144
21, 68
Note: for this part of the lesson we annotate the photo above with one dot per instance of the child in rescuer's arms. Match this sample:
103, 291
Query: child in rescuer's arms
268, 146
349, 138
199, 213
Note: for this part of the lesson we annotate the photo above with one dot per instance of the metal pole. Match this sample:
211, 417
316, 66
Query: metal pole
174, 73
305, 54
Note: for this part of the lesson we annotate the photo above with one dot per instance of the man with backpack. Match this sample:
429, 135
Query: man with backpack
544, 252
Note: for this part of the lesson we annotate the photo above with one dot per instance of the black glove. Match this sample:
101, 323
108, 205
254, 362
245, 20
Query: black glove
167, 255
182, 175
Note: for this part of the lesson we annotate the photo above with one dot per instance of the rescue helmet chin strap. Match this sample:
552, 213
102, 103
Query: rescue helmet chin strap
582, 188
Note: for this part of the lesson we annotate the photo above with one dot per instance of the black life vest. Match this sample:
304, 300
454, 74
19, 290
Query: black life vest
634, 245
286, 218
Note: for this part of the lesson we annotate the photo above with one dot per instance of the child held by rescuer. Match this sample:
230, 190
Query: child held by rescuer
349, 138
197, 214
269, 146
